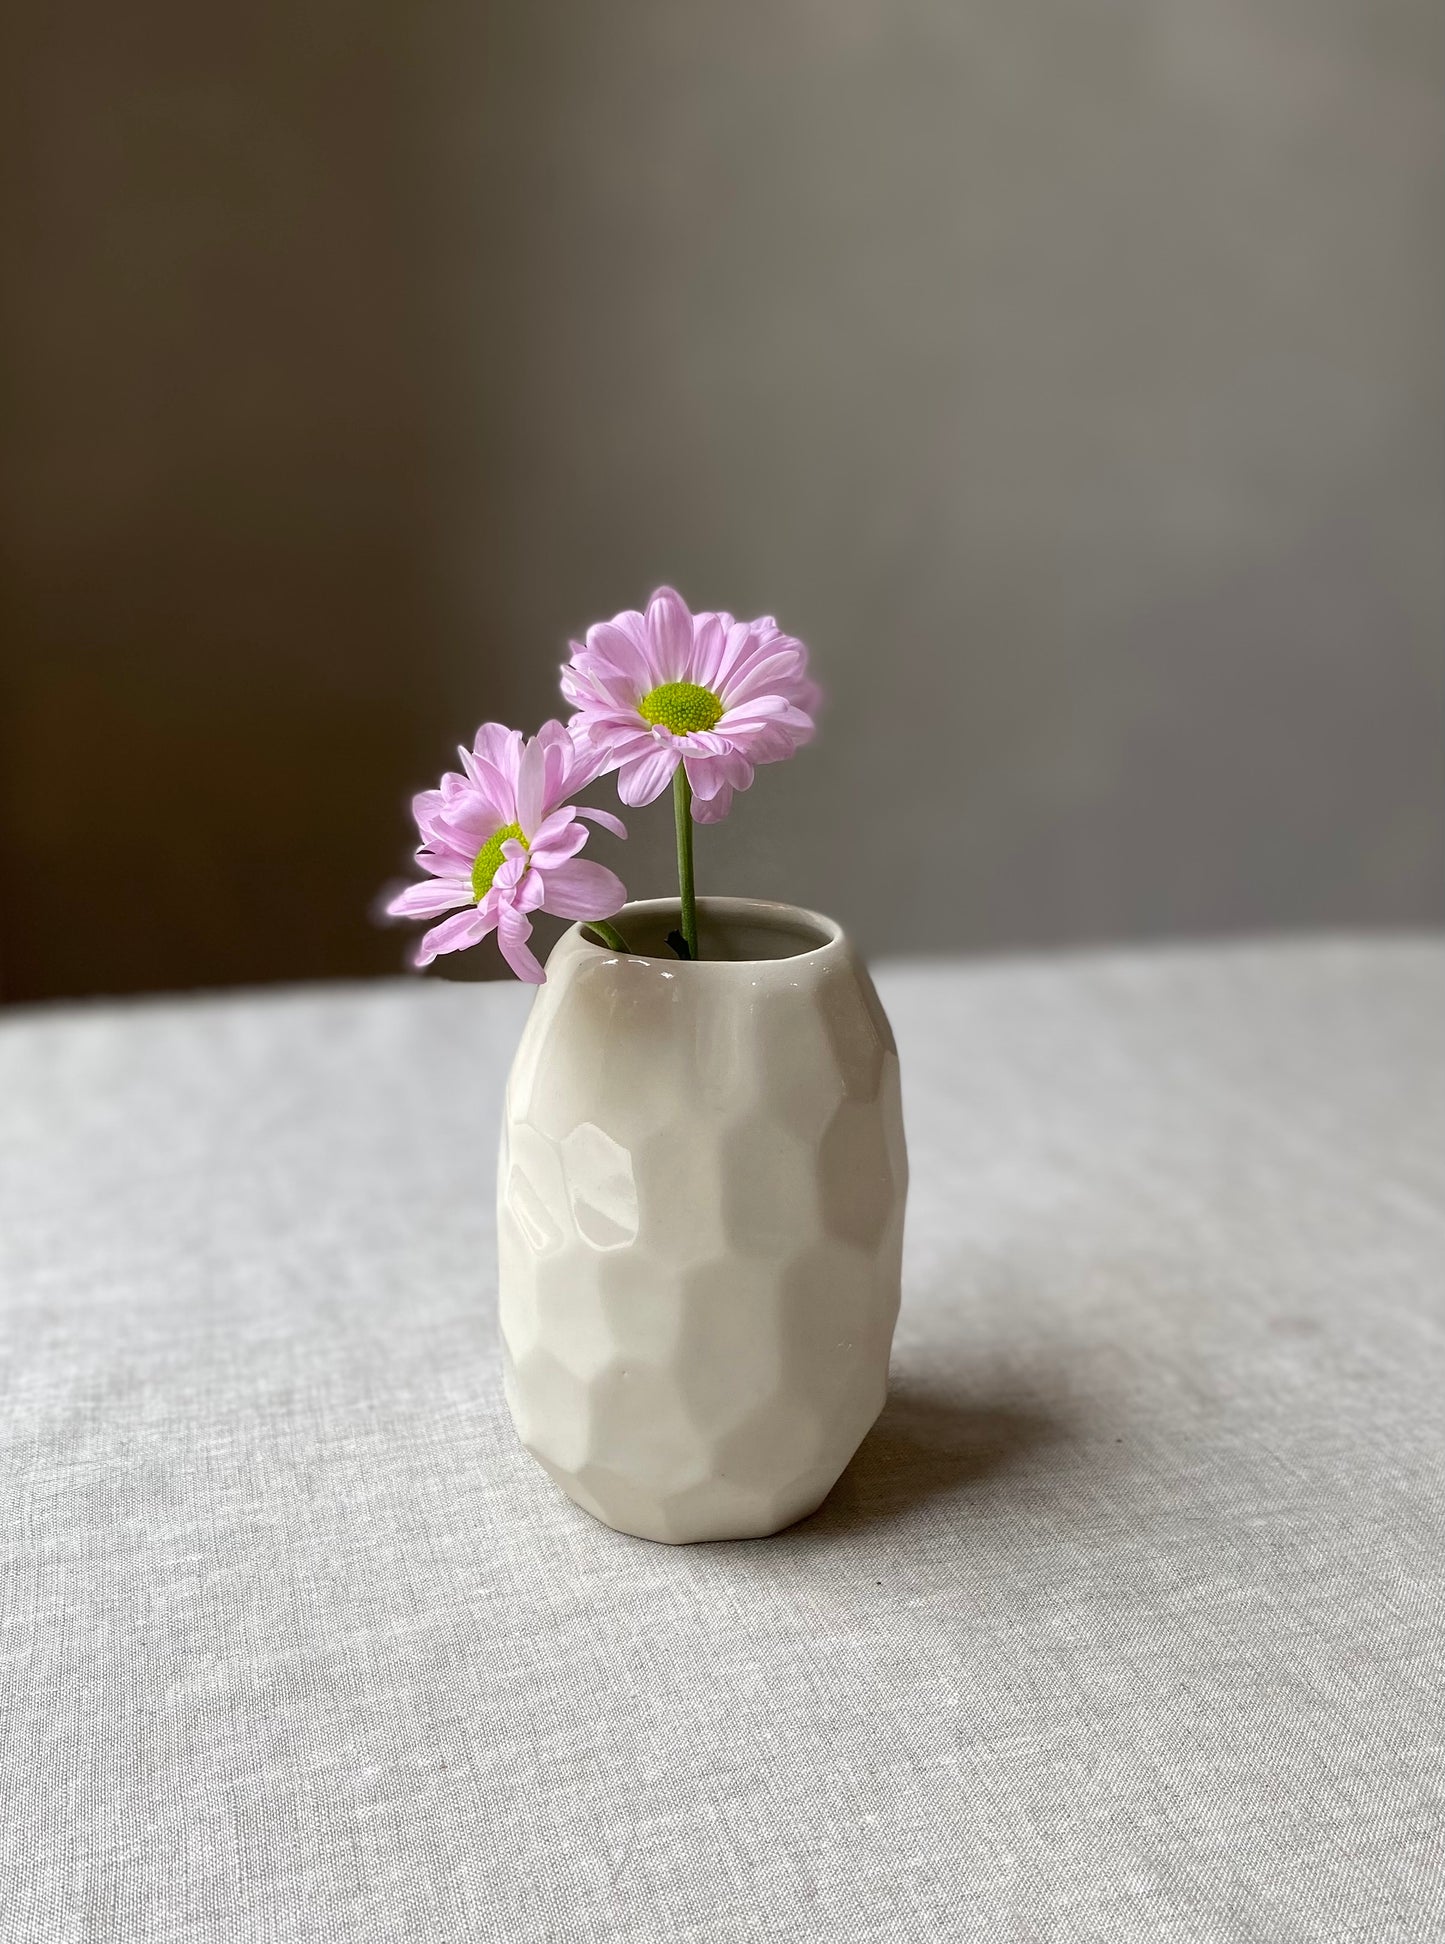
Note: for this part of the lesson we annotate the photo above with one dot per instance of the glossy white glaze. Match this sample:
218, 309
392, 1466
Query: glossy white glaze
700, 1220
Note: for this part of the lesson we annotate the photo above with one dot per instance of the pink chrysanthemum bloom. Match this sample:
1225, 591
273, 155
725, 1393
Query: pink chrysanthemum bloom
717, 695
502, 842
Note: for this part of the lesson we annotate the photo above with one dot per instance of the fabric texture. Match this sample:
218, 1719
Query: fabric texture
1125, 1625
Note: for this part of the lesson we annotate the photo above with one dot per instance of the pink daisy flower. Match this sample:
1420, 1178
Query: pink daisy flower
717, 695
502, 840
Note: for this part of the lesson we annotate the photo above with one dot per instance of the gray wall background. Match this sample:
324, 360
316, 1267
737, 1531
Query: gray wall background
1068, 375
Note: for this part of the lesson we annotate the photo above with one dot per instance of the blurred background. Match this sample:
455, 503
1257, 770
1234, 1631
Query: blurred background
1069, 376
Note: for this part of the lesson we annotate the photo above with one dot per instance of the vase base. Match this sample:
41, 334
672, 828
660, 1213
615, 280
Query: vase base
712, 1514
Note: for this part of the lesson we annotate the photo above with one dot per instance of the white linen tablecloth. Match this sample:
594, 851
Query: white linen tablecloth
1126, 1624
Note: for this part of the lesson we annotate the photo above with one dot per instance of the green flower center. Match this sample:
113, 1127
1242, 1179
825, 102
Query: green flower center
681, 707
489, 859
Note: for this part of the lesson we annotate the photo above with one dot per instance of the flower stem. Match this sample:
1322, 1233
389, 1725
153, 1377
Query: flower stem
609, 935
687, 896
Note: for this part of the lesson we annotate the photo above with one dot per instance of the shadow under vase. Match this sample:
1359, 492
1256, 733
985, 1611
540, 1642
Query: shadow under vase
928, 1444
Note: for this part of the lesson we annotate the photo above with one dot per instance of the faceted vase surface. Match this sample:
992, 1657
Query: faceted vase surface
700, 1220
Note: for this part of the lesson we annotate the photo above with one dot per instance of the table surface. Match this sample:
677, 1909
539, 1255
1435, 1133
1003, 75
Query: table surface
1126, 1623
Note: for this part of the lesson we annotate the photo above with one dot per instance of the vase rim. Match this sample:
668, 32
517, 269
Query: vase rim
816, 933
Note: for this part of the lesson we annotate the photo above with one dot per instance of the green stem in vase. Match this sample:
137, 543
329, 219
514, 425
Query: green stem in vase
687, 895
609, 934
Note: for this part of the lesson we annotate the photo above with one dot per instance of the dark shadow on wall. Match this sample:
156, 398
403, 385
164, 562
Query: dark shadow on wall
220, 677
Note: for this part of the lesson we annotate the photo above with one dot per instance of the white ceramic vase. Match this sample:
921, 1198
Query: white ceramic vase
700, 1220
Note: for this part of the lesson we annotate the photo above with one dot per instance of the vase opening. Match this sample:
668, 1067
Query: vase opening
734, 931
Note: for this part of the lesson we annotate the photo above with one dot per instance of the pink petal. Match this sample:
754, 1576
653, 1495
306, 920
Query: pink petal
646, 777
603, 817
516, 883
736, 769
775, 673
610, 731
705, 774
764, 742
552, 825
531, 787
624, 740
453, 935
604, 748
631, 624
513, 931
575, 687
492, 784
500, 746
710, 637
436, 895
582, 889
564, 843
669, 632
513, 867
709, 810
442, 854
588, 760
610, 739
472, 818
616, 658
557, 758
487, 794
740, 644
710, 775
771, 709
